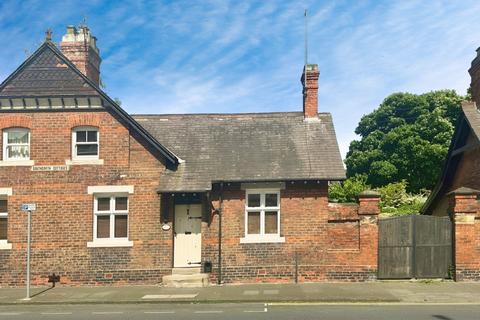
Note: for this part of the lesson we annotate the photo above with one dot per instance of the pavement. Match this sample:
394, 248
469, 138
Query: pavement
434, 292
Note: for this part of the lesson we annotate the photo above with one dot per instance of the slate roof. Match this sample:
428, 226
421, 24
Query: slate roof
472, 114
245, 147
45, 73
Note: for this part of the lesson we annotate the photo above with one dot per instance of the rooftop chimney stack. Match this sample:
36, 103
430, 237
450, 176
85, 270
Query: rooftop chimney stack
475, 74
310, 91
80, 47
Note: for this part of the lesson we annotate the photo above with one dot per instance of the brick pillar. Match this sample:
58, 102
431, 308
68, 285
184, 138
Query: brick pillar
368, 211
463, 208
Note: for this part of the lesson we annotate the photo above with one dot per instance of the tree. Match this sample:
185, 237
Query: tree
406, 138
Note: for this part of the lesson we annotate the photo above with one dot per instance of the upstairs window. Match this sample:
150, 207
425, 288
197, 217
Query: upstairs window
3, 220
85, 143
16, 144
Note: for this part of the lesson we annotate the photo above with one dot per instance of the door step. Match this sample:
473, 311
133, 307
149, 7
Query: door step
196, 280
189, 270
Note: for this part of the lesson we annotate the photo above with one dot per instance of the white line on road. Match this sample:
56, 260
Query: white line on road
107, 312
10, 313
170, 296
56, 313
208, 312
256, 311
159, 312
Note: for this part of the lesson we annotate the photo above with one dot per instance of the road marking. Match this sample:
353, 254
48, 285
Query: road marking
108, 312
56, 313
256, 311
170, 296
270, 291
208, 311
251, 292
10, 313
158, 312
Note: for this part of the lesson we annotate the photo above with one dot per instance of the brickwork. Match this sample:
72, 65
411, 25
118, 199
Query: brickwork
328, 242
310, 90
465, 209
63, 222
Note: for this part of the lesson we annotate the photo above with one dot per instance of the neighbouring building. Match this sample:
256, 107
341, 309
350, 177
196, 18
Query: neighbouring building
179, 199
456, 193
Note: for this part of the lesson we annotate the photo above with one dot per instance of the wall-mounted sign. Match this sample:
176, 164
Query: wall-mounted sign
29, 207
50, 168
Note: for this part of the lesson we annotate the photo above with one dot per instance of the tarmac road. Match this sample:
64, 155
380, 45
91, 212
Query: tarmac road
248, 311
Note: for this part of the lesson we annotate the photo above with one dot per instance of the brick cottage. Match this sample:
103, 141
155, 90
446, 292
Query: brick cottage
174, 199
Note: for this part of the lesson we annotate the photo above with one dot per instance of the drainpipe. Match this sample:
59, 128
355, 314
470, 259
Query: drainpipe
220, 209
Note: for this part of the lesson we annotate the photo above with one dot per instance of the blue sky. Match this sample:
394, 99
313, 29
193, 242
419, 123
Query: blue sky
247, 56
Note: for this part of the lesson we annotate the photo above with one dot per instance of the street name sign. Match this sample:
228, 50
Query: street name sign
29, 207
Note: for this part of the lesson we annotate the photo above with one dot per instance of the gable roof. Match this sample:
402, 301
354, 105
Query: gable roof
246, 147
48, 72
45, 73
469, 121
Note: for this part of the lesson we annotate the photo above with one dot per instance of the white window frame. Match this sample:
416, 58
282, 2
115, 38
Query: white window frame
262, 237
4, 194
6, 144
111, 241
75, 156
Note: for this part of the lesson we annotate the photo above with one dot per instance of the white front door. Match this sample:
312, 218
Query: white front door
188, 236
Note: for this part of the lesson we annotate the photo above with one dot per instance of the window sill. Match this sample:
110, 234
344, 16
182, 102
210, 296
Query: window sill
263, 239
109, 243
76, 162
5, 246
15, 163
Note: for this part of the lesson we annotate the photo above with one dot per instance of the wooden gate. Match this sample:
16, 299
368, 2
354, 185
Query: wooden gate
414, 247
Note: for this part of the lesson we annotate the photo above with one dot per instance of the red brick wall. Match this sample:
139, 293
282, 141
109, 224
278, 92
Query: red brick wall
63, 222
465, 209
331, 241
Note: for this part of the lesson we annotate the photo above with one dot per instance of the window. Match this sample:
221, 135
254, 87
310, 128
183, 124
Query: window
3, 220
85, 143
111, 217
16, 144
262, 216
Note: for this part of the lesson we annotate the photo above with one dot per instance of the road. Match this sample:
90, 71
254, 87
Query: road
248, 311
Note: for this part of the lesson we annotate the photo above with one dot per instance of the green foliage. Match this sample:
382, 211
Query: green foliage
348, 190
406, 138
395, 200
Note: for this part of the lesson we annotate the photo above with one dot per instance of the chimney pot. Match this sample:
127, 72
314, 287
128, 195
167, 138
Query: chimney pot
71, 29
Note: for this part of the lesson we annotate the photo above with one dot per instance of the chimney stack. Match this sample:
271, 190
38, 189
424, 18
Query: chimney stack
475, 74
310, 91
80, 47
